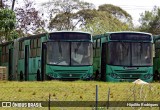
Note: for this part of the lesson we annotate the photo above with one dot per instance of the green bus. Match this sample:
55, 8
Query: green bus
6, 58
56, 55
156, 59
123, 56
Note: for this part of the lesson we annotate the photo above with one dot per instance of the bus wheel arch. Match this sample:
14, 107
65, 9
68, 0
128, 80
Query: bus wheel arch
21, 76
156, 76
97, 74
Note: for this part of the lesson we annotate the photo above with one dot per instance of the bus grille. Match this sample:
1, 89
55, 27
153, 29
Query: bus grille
130, 74
70, 73
122, 71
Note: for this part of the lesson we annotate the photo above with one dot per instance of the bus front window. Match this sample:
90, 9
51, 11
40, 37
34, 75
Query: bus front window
130, 54
119, 53
141, 54
58, 53
81, 53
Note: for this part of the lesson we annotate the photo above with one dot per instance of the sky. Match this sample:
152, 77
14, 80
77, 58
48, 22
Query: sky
133, 7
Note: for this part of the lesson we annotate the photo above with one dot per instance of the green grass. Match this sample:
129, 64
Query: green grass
77, 91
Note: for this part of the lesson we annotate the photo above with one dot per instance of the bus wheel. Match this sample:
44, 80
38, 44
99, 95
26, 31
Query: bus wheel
21, 76
38, 76
96, 75
156, 75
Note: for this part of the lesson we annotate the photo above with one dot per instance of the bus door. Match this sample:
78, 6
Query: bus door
26, 63
10, 65
43, 61
103, 61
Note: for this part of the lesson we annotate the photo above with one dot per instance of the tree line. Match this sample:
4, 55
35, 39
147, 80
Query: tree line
70, 15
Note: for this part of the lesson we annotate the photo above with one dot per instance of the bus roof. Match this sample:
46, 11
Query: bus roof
108, 33
32, 36
129, 32
70, 36
127, 37
43, 34
71, 31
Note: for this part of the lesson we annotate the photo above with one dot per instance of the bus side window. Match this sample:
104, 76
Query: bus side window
31, 48
94, 48
38, 46
35, 47
20, 46
38, 42
7, 51
21, 50
98, 45
153, 50
3, 54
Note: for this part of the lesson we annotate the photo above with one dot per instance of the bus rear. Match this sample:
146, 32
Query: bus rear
69, 55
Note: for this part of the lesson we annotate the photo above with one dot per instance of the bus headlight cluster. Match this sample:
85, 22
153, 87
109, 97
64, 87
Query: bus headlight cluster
87, 76
114, 75
55, 75
148, 76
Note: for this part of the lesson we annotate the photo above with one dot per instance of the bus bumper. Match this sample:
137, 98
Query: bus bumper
110, 79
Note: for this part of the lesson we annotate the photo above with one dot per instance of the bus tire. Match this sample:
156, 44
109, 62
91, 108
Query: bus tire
38, 75
96, 75
156, 75
21, 76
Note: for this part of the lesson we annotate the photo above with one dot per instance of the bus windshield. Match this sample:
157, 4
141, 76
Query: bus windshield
141, 54
58, 53
69, 53
81, 53
130, 54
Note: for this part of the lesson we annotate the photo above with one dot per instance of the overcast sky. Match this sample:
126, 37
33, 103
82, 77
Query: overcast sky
133, 7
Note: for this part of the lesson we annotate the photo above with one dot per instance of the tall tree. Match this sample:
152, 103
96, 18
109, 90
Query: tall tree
85, 16
117, 13
28, 18
107, 18
7, 24
62, 13
70, 14
104, 23
150, 21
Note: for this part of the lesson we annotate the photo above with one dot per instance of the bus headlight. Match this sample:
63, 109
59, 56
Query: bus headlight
148, 76
55, 75
114, 75
86, 76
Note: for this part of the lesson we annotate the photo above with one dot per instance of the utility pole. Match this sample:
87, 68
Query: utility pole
13, 2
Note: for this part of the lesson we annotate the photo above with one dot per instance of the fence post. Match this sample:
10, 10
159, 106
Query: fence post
49, 102
96, 97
